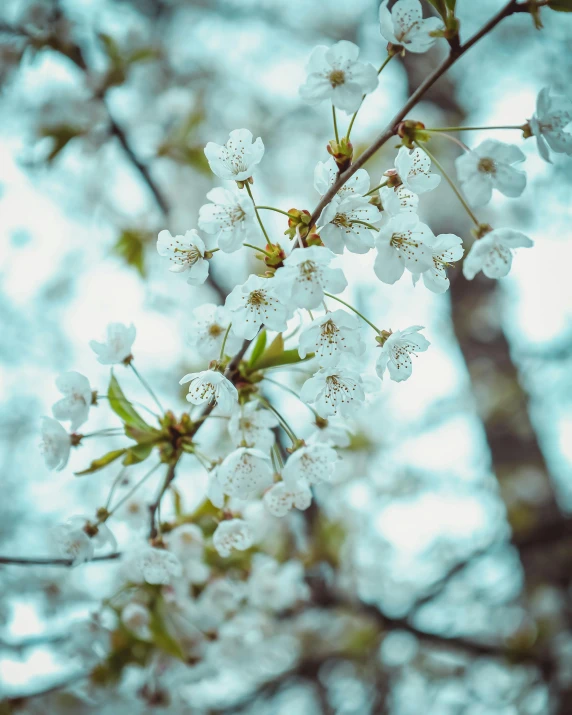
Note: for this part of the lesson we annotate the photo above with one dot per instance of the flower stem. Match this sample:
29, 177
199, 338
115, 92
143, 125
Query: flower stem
335, 124
343, 302
291, 391
110, 432
272, 208
146, 386
468, 129
132, 491
257, 214
285, 426
451, 184
376, 188
222, 347
453, 139
379, 71
256, 248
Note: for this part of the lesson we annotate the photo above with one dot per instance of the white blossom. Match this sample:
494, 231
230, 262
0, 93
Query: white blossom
215, 492
398, 200
332, 390
230, 218
488, 167
330, 431
549, 124
207, 329
74, 542
283, 497
396, 352
255, 303
492, 254
56, 444
334, 73
331, 336
313, 463
305, 275
276, 586
187, 543
405, 25
400, 244
186, 253
232, 534
74, 406
117, 346
236, 160
445, 249
210, 385
326, 174
345, 224
137, 618
244, 473
414, 170
153, 565
253, 426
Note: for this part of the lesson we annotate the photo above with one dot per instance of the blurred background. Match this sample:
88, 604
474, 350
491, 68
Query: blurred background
453, 502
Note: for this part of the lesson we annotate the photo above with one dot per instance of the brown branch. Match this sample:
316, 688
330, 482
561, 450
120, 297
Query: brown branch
391, 128
47, 561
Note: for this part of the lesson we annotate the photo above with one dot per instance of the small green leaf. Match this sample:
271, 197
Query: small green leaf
560, 5
177, 501
131, 247
274, 350
163, 639
123, 408
451, 5
102, 462
111, 49
258, 348
287, 357
137, 454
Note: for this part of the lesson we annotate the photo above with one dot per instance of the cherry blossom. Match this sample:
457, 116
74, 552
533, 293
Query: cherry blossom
305, 276
236, 160
276, 586
398, 200
330, 431
244, 473
314, 463
400, 244
332, 390
488, 167
553, 116
153, 565
232, 534
117, 346
255, 303
186, 253
207, 329
445, 249
414, 170
326, 174
56, 444
345, 224
74, 406
334, 73
331, 336
215, 493
252, 427
187, 543
74, 542
137, 618
492, 254
211, 385
405, 26
282, 497
230, 218
396, 352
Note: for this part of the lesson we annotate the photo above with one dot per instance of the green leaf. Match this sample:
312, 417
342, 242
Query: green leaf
451, 5
131, 247
137, 454
163, 639
123, 408
111, 49
258, 348
560, 5
102, 462
274, 350
287, 357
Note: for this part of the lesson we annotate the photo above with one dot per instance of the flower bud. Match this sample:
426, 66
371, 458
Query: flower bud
411, 131
342, 152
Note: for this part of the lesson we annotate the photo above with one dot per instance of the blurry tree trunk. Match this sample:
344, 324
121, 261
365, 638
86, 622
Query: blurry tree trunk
517, 461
